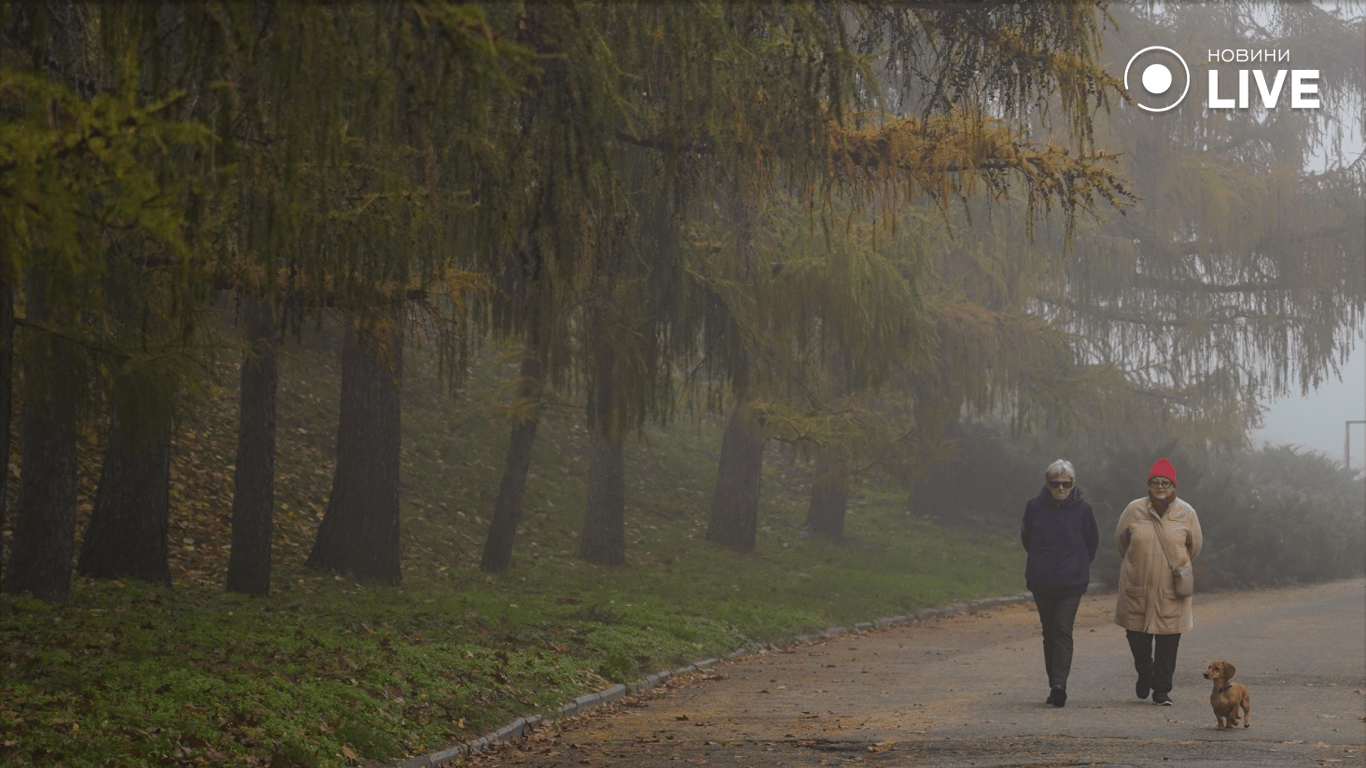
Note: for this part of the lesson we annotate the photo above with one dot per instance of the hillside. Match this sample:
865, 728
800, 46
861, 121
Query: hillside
329, 672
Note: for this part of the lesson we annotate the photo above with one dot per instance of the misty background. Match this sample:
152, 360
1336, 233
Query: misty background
378, 373
1316, 421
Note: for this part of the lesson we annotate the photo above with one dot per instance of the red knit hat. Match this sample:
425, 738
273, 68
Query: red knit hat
1163, 468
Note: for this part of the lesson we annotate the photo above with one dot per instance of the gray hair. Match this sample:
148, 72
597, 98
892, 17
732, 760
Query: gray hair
1059, 468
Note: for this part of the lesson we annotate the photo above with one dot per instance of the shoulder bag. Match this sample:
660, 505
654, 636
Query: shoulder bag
1183, 578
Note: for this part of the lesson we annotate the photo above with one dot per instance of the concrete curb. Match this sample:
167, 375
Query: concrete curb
519, 727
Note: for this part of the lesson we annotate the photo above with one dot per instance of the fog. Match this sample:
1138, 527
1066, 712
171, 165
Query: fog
1316, 421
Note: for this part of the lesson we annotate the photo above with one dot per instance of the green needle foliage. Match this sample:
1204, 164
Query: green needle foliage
856, 221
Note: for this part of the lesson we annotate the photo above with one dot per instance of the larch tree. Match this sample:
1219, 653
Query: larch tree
773, 107
83, 161
589, 277
409, 93
260, 213
1240, 275
720, 131
153, 295
545, 213
344, 136
1236, 276
937, 115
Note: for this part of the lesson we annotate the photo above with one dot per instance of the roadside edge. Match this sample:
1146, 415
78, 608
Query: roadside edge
588, 701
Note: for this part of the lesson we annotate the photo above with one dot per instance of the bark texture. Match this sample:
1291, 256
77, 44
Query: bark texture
604, 519
6, 390
253, 495
45, 516
734, 518
829, 502
507, 509
359, 533
127, 533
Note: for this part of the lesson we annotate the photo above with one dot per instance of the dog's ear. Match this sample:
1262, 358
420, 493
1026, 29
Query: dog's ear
1229, 669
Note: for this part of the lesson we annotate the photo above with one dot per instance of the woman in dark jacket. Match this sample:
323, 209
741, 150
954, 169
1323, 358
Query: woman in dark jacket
1060, 536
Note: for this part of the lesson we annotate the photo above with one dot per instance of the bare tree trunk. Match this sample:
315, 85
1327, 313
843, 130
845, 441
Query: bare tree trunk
127, 533
359, 533
6, 389
604, 519
126, 536
253, 496
734, 520
829, 502
507, 510
45, 519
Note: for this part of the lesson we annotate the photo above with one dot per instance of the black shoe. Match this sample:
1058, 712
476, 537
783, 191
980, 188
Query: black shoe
1057, 697
1141, 688
1162, 700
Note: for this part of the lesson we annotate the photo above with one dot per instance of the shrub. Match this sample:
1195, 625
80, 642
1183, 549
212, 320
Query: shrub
1271, 517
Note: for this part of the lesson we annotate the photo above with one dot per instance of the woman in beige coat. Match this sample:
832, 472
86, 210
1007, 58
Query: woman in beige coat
1150, 612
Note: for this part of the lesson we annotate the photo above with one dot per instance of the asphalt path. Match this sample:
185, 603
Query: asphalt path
969, 690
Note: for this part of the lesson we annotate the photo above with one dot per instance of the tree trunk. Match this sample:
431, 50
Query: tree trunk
507, 510
127, 533
604, 519
734, 518
6, 384
829, 501
45, 519
358, 536
126, 536
253, 493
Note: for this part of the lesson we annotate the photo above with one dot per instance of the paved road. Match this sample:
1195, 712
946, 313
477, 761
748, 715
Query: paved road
969, 691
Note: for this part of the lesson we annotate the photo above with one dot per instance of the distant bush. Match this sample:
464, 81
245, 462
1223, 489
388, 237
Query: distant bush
985, 484
1283, 517
1271, 517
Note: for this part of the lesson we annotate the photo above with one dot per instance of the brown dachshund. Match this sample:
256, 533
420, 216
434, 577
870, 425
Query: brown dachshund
1228, 697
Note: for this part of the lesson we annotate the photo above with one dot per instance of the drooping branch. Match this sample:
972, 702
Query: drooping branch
945, 157
1158, 320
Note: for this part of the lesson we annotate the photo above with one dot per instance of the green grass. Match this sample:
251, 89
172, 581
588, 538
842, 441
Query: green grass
327, 672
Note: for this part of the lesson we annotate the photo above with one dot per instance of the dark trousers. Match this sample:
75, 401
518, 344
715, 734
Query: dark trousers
1057, 615
1154, 659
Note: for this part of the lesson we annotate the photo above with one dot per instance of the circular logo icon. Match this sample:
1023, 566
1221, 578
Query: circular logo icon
1159, 71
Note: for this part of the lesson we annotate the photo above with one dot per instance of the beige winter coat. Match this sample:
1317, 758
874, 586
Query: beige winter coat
1145, 602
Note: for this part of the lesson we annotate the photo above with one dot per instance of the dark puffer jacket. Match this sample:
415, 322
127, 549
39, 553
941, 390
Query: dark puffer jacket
1061, 540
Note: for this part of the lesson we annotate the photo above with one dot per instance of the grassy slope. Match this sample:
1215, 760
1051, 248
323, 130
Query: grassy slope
329, 672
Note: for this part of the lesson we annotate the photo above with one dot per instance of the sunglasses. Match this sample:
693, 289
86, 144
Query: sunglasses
1160, 483
1063, 484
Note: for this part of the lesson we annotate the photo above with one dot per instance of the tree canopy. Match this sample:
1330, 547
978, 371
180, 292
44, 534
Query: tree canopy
806, 212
